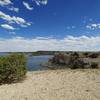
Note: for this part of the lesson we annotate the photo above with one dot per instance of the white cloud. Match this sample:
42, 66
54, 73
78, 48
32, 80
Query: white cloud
14, 19
44, 2
27, 5
14, 9
5, 2
39, 2
93, 26
8, 27
82, 43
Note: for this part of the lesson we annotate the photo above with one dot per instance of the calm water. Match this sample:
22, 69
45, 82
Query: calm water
3, 53
33, 62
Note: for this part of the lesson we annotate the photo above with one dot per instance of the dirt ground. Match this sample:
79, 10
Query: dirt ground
55, 85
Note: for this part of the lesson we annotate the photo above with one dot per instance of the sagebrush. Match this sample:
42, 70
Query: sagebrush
12, 68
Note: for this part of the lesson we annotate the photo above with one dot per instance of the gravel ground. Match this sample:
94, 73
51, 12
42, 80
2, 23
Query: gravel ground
55, 85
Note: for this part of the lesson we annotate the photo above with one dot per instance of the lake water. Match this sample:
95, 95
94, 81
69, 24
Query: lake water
34, 62
3, 53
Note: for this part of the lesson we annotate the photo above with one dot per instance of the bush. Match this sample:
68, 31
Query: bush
75, 61
58, 59
94, 55
94, 65
12, 68
86, 54
72, 60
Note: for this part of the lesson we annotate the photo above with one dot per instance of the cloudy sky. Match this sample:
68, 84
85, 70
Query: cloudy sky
31, 25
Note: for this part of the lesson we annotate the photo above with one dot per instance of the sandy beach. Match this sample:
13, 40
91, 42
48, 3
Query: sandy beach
55, 85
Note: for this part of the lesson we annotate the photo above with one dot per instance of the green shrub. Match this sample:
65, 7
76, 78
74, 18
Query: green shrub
58, 58
12, 68
75, 61
86, 54
94, 65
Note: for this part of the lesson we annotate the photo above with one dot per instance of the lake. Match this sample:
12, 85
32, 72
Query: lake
34, 62
3, 53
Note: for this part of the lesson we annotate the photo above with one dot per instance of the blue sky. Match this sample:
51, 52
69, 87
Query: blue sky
27, 21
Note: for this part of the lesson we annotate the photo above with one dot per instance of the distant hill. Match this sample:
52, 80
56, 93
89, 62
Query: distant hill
44, 53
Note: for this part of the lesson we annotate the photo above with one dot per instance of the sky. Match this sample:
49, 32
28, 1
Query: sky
64, 25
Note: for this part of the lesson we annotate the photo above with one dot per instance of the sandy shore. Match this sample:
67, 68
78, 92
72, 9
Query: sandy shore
55, 85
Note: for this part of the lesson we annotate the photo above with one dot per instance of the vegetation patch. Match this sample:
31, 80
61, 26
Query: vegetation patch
94, 55
74, 60
94, 65
12, 68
